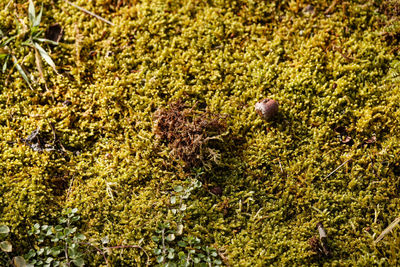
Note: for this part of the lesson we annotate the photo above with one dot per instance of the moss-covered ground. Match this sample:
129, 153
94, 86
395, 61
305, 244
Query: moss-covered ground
332, 67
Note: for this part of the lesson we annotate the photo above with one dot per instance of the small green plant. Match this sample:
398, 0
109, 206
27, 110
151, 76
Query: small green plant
30, 36
174, 248
58, 245
180, 195
6, 247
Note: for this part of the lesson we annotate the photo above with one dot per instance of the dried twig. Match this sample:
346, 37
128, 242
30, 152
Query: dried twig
331, 7
90, 13
223, 257
337, 169
387, 230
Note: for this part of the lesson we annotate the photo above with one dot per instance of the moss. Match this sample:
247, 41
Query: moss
334, 68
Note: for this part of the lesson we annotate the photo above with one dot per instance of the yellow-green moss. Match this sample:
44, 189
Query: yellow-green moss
325, 70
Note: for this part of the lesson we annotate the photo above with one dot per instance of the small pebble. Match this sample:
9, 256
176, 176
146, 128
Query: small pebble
267, 108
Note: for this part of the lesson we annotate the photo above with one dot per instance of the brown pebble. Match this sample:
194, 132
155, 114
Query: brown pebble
267, 108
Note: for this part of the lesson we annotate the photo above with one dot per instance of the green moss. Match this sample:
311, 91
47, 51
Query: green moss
325, 70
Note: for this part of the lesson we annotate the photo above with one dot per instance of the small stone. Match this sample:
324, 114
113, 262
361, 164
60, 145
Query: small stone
267, 108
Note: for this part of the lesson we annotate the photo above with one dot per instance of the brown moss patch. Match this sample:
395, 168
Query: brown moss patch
188, 132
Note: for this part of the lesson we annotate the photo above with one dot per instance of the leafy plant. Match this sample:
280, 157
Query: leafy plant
58, 245
180, 195
31, 37
6, 247
174, 248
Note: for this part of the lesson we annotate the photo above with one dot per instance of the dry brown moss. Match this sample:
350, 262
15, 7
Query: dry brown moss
188, 132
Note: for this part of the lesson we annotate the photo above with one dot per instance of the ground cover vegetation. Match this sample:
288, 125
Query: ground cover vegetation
128, 134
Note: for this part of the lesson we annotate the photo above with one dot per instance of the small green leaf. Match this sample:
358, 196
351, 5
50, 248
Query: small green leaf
4, 229
181, 255
201, 255
49, 231
182, 244
74, 210
81, 236
55, 251
78, 262
178, 188
37, 19
179, 229
31, 12
173, 200
6, 246
30, 254
157, 251
170, 237
40, 251
75, 218
155, 238
171, 255
20, 262
217, 262
196, 260
160, 259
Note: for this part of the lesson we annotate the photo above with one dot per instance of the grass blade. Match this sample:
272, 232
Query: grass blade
21, 71
387, 230
90, 13
39, 64
5, 64
37, 19
45, 56
9, 40
31, 12
44, 40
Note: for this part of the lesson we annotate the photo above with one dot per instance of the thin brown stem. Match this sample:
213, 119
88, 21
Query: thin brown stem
90, 13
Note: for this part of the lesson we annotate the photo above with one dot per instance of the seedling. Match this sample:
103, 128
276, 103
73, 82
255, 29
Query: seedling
31, 37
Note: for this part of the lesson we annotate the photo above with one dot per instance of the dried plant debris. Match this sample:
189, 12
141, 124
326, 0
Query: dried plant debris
40, 141
190, 133
391, 21
344, 137
320, 245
